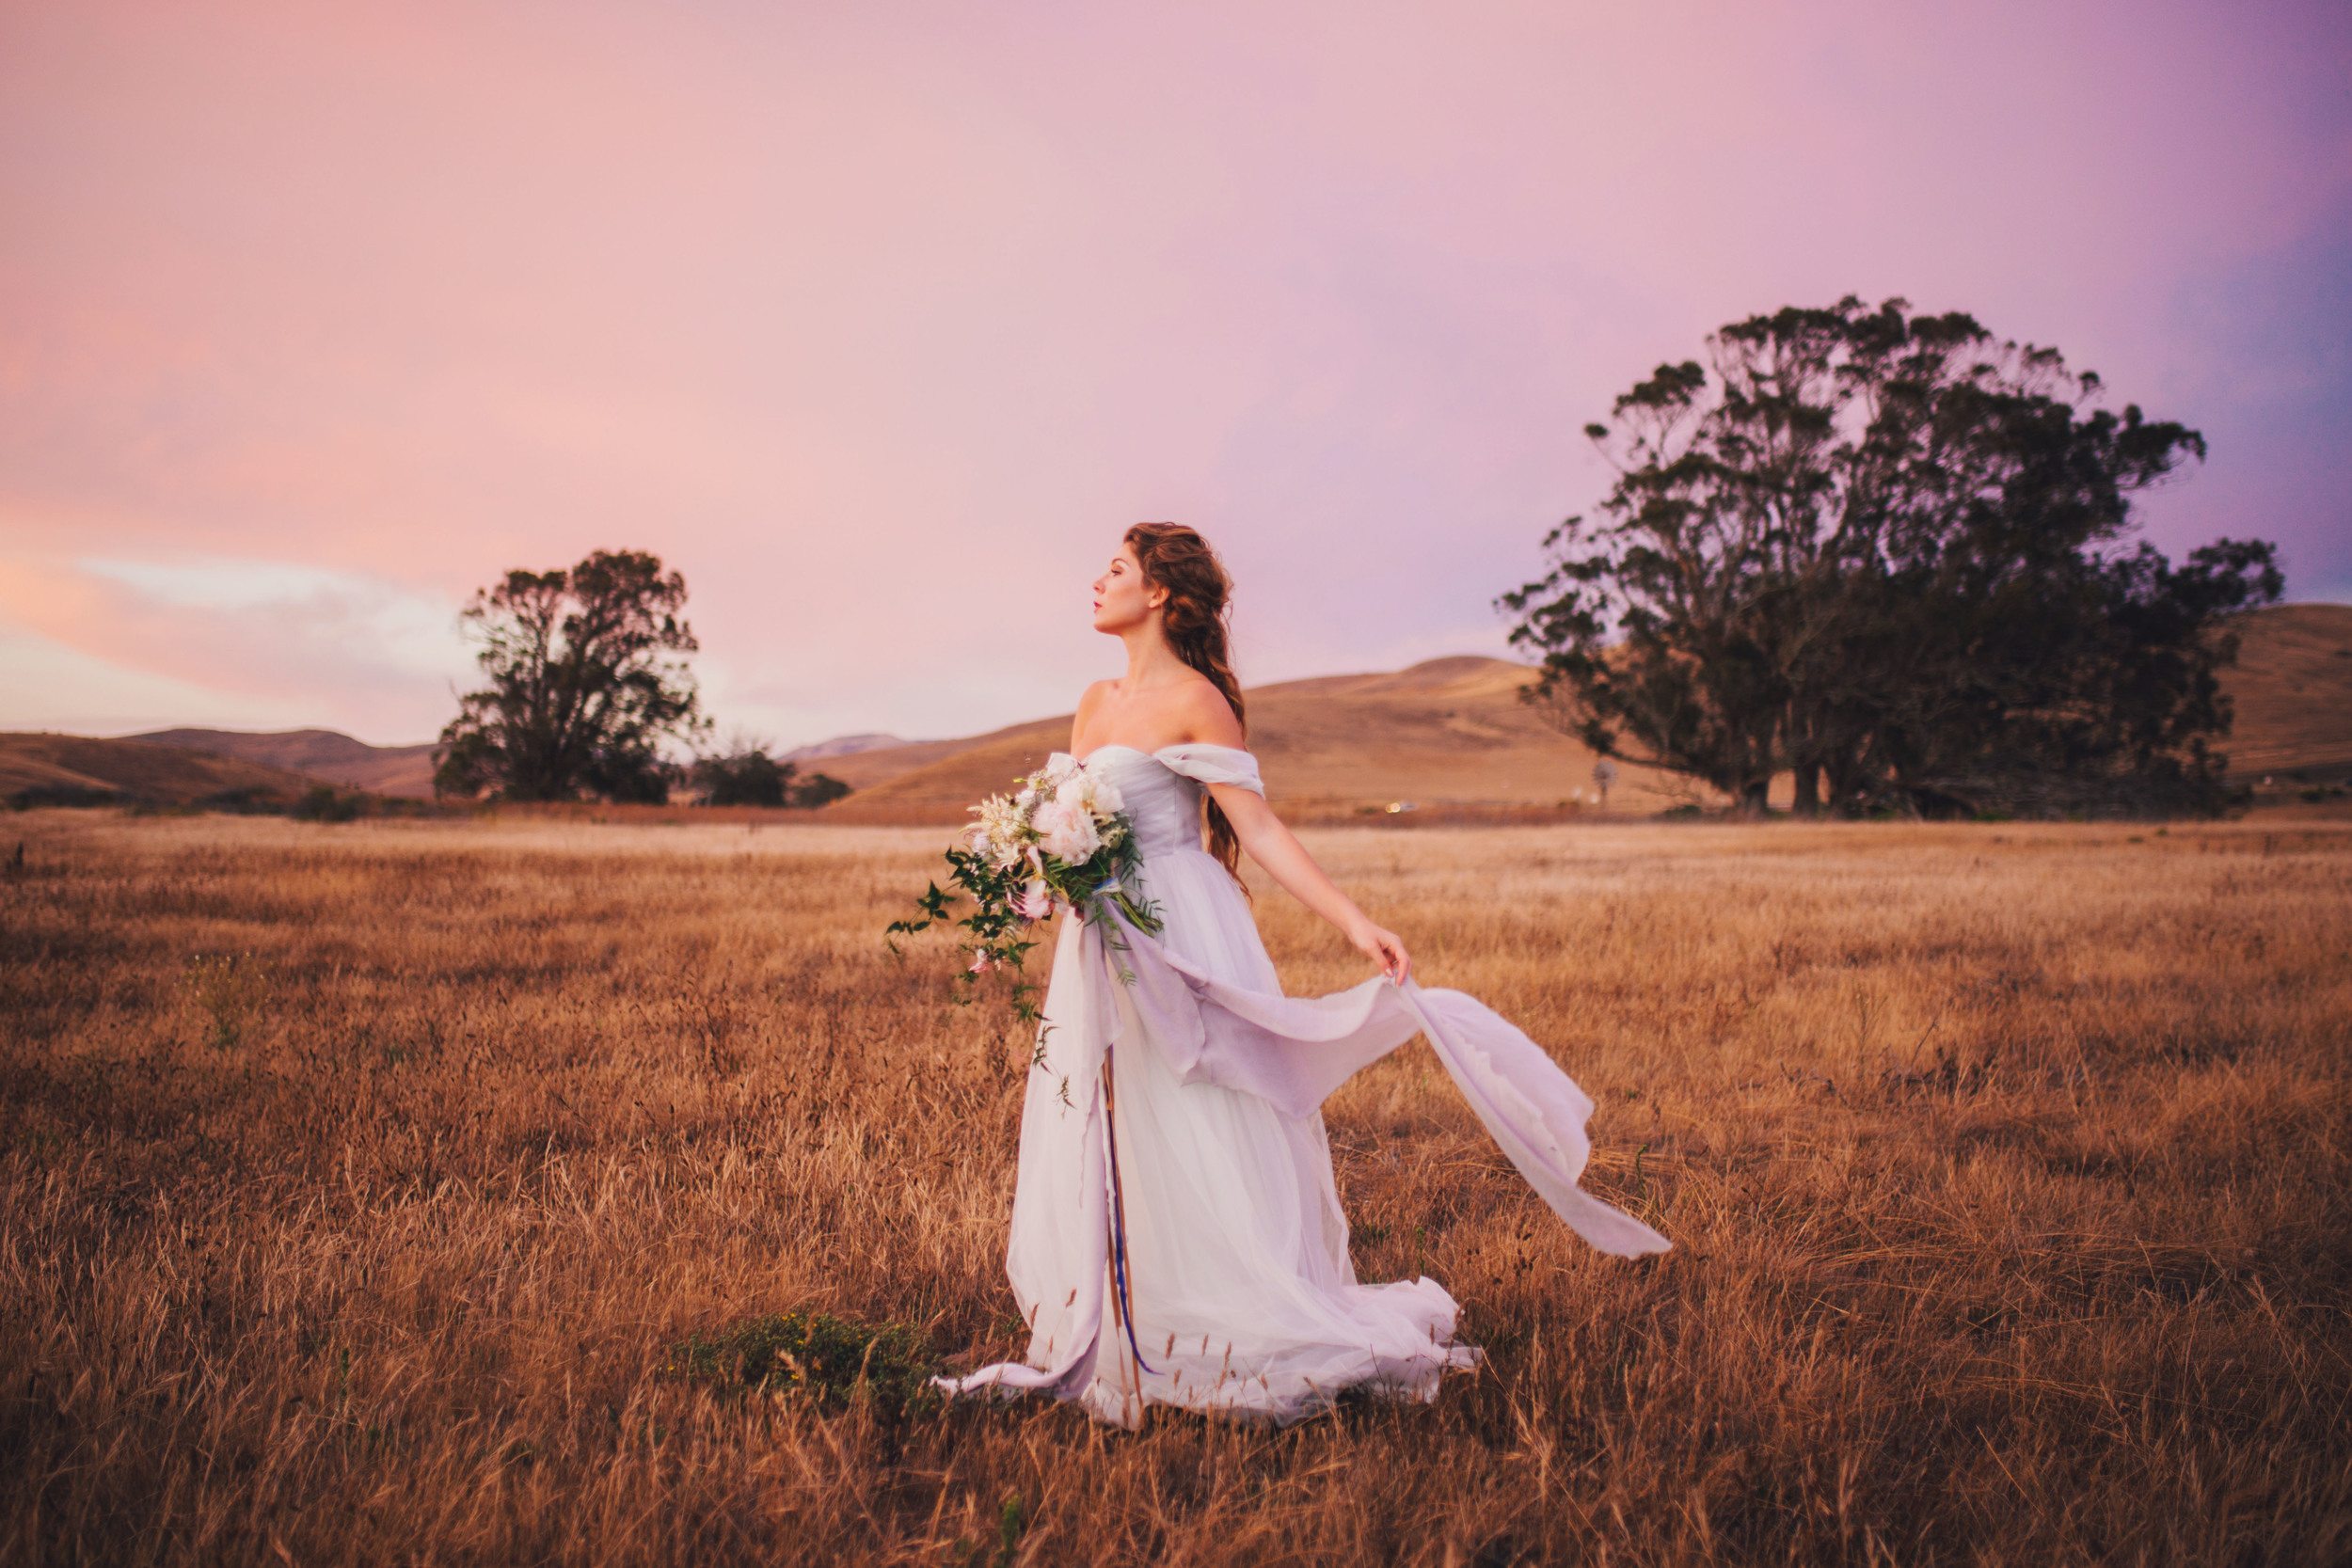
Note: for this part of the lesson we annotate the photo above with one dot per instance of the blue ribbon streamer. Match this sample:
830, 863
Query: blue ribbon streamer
1119, 1221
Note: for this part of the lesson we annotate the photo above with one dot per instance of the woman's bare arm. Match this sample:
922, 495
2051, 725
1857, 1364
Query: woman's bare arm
1275, 848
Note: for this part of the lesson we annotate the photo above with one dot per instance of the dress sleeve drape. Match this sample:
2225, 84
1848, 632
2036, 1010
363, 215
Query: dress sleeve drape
1213, 765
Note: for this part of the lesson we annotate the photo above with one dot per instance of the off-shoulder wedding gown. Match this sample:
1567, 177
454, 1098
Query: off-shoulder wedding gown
1176, 1235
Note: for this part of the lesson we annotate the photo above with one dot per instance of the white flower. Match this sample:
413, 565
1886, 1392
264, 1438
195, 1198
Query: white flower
1000, 831
1098, 798
1066, 831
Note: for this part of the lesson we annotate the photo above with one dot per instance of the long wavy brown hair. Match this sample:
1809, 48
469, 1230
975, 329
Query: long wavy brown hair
1194, 619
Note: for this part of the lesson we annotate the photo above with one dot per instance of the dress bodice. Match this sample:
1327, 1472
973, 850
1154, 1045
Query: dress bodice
1161, 790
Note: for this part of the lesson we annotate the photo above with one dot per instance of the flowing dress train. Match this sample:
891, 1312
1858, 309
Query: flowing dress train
1177, 1238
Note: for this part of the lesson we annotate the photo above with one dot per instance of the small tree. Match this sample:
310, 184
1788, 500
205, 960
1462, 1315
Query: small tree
579, 698
818, 789
748, 776
1882, 551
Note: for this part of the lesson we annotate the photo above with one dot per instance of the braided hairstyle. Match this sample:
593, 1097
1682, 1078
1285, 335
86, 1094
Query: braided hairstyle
1193, 619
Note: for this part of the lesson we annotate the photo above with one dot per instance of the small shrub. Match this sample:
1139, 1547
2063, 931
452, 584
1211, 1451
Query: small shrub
818, 789
323, 804
37, 796
749, 778
822, 1356
245, 800
1012, 1522
229, 989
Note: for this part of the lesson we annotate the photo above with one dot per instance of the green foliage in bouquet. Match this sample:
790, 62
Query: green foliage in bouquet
1061, 840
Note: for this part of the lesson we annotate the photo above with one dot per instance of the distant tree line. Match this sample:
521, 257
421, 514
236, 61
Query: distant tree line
1884, 553
582, 694
751, 777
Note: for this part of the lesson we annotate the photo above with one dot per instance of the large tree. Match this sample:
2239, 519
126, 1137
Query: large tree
1886, 552
581, 697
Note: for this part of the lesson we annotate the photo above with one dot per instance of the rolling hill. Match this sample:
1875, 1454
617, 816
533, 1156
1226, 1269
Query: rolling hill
844, 745
68, 769
2293, 690
326, 754
1452, 732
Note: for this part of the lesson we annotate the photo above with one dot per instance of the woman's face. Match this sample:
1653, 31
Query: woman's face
1121, 597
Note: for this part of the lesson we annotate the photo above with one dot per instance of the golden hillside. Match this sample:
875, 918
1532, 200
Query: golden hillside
74, 770
404, 771
1452, 732
2293, 689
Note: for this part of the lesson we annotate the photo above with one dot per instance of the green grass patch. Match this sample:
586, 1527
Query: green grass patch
833, 1361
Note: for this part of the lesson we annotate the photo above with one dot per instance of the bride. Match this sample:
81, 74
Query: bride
1176, 1235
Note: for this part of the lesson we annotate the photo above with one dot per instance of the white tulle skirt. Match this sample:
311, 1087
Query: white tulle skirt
1172, 1144
1242, 1295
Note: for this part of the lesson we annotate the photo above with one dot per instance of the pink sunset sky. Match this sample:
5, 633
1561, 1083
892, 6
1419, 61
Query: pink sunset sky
880, 322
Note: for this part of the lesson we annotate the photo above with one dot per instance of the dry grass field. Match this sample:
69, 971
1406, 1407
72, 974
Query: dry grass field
357, 1182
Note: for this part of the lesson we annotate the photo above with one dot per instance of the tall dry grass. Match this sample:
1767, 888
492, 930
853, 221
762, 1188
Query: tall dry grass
357, 1180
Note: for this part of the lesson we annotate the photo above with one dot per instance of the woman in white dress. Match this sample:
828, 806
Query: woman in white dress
1176, 1235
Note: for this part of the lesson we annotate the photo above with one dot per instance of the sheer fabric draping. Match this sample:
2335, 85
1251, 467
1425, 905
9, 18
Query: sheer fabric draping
1177, 1238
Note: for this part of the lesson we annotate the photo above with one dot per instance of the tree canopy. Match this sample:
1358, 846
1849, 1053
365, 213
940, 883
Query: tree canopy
748, 776
1888, 553
579, 696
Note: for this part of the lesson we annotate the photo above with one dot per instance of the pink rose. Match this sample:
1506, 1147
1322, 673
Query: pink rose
980, 965
1035, 902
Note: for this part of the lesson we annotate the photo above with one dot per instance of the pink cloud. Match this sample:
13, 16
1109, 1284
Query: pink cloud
878, 324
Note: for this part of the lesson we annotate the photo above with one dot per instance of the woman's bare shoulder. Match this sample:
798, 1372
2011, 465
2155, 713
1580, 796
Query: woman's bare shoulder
1208, 718
1089, 703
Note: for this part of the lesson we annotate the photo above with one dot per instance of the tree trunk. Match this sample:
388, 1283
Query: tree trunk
1808, 803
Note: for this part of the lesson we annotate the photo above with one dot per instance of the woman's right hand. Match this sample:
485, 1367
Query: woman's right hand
1277, 848
1384, 948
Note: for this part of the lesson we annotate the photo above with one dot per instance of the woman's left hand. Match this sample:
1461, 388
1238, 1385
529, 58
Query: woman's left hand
1385, 949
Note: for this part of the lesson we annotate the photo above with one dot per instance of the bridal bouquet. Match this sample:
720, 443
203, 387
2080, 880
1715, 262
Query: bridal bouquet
1060, 840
